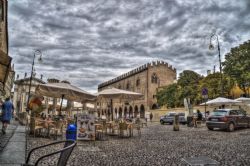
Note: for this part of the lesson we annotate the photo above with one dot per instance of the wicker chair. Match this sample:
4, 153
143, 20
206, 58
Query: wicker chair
39, 126
138, 126
123, 127
57, 128
64, 153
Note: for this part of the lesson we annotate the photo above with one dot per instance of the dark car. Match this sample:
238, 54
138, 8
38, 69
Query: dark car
228, 119
169, 118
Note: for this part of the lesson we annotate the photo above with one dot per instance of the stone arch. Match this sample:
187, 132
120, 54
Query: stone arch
136, 112
142, 111
130, 112
109, 114
125, 112
120, 112
116, 113
154, 106
99, 113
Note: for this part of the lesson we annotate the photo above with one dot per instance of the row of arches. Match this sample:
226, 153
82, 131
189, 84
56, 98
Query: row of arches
126, 112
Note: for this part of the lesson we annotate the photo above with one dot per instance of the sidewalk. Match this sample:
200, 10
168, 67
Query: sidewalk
12, 152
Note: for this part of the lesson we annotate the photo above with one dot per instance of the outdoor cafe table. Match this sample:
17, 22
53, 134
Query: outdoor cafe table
111, 126
47, 124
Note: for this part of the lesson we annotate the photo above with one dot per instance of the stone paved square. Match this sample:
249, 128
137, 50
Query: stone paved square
160, 145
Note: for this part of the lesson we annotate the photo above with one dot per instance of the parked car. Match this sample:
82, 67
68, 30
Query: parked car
169, 118
228, 119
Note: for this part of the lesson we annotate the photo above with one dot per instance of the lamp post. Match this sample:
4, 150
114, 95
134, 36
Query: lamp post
211, 46
31, 76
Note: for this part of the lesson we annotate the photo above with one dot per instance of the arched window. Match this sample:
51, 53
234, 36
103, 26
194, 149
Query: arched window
154, 78
1, 10
138, 82
128, 86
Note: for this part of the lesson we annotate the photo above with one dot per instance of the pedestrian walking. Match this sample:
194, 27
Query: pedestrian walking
151, 117
7, 111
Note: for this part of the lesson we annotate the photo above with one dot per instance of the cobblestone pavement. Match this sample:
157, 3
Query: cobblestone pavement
9, 132
160, 145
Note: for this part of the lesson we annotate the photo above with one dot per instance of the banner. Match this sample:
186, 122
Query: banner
85, 126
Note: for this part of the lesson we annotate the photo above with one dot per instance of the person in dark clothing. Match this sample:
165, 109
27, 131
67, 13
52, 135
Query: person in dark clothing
151, 117
199, 115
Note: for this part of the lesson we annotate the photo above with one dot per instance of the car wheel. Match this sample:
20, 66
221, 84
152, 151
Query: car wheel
210, 128
231, 127
162, 122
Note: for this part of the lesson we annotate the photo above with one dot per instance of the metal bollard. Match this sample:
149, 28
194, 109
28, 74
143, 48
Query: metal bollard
176, 123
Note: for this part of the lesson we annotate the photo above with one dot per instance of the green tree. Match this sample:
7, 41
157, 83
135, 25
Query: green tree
168, 96
212, 83
237, 65
189, 86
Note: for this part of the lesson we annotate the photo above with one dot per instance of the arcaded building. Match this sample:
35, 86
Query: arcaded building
146, 80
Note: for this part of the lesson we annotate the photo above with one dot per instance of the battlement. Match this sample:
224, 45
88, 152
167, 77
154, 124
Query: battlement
136, 71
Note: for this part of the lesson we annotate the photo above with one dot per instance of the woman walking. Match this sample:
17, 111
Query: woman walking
7, 110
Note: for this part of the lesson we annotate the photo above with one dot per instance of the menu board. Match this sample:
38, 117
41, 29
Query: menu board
85, 127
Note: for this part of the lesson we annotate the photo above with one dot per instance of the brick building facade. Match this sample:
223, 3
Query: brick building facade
145, 79
7, 73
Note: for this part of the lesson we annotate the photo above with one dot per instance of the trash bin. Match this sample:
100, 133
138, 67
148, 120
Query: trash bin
190, 121
71, 132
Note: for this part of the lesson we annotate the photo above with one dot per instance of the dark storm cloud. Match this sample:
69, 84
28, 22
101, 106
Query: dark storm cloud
88, 42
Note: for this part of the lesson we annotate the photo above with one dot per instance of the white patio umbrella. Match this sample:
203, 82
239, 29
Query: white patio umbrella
243, 99
114, 93
221, 101
63, 90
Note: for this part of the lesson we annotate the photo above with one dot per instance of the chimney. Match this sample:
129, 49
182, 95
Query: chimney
41, 77
208, 72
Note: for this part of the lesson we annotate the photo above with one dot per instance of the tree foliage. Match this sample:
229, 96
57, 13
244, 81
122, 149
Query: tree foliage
189, 83
168, 96
237, 65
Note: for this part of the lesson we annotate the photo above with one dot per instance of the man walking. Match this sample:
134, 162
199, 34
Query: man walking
7, 110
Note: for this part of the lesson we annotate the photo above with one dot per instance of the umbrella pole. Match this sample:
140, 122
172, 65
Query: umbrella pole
111, 107
60, 111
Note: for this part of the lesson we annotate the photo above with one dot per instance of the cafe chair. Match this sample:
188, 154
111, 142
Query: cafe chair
57, 129
38, 126
64, 153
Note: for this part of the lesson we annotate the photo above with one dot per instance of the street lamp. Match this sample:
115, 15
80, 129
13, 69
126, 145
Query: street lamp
211, 46
32, 69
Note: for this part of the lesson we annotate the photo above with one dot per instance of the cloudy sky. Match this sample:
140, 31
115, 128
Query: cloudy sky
91, 41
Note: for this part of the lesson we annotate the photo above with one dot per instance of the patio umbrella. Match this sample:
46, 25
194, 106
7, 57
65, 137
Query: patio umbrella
243, 99
63, 91
114, 93
221, 101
